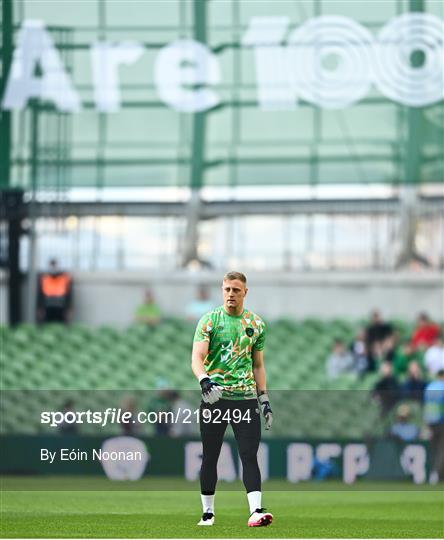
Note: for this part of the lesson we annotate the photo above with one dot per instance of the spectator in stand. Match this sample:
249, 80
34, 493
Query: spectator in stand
68, 428
414, 386
403, 428
434, 417
358, 349
386, 389
201, 305
434, 357
425, 333
161, 404
377, 332
149, 312
340, 360
403, 356
182, 425
128, 404
388, 347
54, 295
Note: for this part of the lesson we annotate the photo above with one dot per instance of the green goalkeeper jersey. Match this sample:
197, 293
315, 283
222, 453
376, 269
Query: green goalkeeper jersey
232, 340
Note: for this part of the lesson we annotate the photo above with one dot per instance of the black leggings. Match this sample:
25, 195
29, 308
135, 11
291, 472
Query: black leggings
243, 415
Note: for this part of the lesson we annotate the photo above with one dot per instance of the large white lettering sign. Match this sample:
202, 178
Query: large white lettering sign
180, 71
297, 68
329, 61
105, 58
341, 39
394, 75
35, 48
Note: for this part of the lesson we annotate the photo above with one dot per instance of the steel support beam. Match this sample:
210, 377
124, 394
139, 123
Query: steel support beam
190, 247
412, 173
218, 209
31, 296
12, 212
5, 116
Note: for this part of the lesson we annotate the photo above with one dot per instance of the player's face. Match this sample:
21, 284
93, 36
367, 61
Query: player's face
234, 292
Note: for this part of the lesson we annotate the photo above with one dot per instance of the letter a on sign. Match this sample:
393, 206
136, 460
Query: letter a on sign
36, 48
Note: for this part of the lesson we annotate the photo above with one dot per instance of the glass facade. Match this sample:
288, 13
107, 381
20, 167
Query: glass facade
238, 142
275, 129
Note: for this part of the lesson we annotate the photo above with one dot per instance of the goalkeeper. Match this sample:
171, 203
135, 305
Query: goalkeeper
228, 360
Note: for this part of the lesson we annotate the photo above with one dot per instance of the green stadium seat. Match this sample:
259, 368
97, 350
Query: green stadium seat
78, 358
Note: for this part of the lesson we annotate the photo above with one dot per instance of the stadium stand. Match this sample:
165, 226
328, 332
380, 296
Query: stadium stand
78, 358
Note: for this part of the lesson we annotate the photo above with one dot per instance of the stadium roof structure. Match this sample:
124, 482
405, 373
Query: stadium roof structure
200, 94
188, 94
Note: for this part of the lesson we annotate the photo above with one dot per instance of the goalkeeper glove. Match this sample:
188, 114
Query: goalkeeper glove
211, 391
264, 403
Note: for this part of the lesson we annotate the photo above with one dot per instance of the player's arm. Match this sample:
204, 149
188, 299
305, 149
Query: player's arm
211, 392
200, 351
261, 384
259, 371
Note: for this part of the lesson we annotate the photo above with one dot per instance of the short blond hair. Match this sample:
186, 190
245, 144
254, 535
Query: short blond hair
230, 276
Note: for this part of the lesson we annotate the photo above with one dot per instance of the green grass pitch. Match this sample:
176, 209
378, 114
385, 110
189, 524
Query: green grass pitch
94, 507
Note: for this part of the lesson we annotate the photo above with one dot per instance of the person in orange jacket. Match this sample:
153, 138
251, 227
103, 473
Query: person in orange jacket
54, 297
